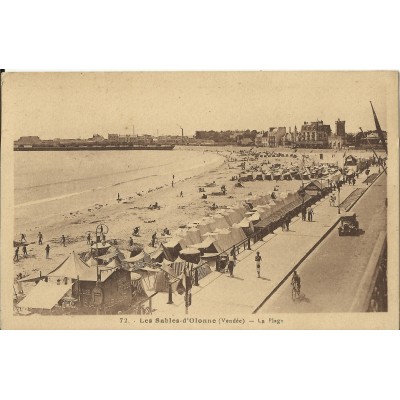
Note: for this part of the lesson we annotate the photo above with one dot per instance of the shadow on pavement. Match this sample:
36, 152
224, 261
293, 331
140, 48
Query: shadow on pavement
240, 279
303, 299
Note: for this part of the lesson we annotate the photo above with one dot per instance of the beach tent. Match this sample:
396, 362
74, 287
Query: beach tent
45, 295
247, 226
207, 245
206, 226
194, 235
233, 215
172, 248
220, 221
178, 265
224, 242
104, 272
238, 234
72, 267
157, 255
240, 210
190, 254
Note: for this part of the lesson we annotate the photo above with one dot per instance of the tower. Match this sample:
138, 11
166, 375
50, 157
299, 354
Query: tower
340, 128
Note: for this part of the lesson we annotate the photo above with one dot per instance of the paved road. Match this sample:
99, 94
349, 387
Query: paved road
330, 276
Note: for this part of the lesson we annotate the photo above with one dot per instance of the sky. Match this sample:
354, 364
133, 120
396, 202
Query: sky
73, 105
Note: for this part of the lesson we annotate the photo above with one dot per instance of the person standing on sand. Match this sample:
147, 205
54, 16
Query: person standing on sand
258, 260
16, 254
153, 239
89, 239
63, 240
24, 251
181, 195
40, 236
47, 248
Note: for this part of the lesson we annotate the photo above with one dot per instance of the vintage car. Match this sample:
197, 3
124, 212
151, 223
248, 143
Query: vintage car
348, 224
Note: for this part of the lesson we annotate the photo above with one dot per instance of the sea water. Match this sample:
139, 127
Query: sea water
49, 183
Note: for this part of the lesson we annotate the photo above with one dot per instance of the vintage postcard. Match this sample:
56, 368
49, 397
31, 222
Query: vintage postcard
200, 200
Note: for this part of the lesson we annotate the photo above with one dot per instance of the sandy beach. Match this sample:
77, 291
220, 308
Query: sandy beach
133, 210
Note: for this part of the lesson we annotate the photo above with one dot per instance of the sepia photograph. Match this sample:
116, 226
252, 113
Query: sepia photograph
200, 200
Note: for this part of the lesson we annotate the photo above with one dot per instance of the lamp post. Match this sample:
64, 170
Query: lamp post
187, 275
338, 206
170, 301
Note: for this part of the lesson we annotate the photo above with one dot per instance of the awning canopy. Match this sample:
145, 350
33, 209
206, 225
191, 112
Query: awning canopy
45, 295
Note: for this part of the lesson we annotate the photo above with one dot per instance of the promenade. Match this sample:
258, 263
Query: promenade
337, 286
281, 252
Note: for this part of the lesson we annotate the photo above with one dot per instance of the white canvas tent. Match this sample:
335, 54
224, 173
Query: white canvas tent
45, 295
72, 267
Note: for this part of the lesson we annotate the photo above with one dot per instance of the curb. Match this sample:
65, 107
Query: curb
367, 283
309, 252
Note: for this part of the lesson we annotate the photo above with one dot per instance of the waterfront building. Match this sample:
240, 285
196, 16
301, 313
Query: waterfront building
314, 135
27, 141
261, 139
276, 136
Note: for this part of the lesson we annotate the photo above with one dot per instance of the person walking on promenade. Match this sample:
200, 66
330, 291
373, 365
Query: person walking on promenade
310, 213
296, 283
24, 251
40, 236
231, 264
287, 222
258, 260
47, 248
16, 254
303, 213
63, 240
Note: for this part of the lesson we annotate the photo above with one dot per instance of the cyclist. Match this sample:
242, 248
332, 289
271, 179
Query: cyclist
296, 281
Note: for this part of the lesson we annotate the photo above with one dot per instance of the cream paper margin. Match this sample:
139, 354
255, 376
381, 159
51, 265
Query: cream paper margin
390, 320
